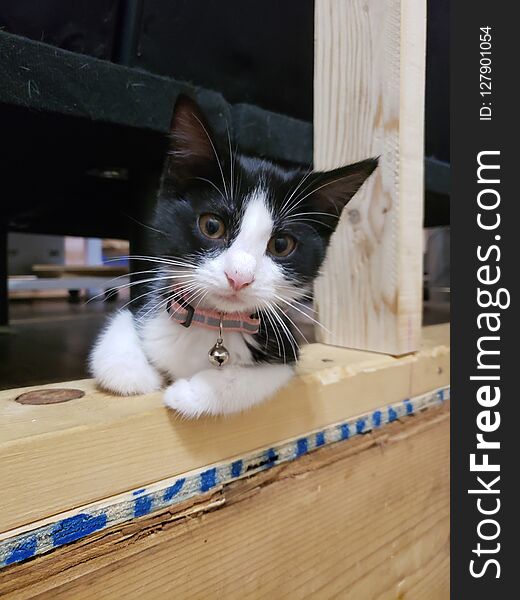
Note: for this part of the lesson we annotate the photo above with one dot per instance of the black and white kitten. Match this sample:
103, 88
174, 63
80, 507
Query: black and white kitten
236, 236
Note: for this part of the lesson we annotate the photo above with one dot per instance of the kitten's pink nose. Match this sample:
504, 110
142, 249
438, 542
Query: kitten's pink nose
238, 282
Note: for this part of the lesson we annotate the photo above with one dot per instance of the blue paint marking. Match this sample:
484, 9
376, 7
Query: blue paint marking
392, 415
142, 506
345, 431
174, 489
320, 438
271, 457
302, 446
23, 551
138, 492
376, 418
208, 479
236, 468
74, 528
409, 407
360, 425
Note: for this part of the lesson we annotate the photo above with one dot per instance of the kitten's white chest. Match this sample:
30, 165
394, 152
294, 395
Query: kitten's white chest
181, 352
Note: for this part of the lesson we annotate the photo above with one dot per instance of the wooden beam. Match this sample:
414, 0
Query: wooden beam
363, 518
369, 101
54, 457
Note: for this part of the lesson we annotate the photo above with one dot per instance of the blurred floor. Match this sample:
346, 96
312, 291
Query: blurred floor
49, 340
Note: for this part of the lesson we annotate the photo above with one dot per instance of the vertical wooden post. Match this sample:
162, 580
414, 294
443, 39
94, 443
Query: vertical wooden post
369, 101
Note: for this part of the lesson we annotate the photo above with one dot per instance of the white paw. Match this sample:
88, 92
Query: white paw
129, 382
190, 398
118, 362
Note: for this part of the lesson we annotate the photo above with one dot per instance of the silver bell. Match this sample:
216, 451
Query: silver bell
219, 354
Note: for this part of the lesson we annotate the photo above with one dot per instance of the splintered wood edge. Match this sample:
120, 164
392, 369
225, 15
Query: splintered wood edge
42, 537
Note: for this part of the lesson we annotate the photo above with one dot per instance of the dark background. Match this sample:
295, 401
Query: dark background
260, 53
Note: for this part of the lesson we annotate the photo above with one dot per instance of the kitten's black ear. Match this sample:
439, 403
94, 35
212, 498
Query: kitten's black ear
191, 150
333, 190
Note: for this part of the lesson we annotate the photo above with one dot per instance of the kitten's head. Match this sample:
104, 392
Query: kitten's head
242, 233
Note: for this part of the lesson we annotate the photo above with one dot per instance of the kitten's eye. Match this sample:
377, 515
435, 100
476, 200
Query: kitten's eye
212, 226
281, 245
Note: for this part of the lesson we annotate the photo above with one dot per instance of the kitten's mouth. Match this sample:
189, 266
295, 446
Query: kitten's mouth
230, 302
233, 297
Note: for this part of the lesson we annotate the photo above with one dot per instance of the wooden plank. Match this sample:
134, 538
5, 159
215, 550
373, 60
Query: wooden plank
369, 101
83, 270
65, 283
364, 518
70, 454
37, 538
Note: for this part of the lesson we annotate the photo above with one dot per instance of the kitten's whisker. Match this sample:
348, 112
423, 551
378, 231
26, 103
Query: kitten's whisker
286, 200
257, 310
303, 313
314, 191
317, 213
231, 165
296, 327
194, 293
290, 336
117, 288
174, 289
189, 299
298, 293
153, 307
265, 313
201, 299
305, 306
281, 349
238, 180
169, 298
215, 153
313, 221
154, 259
144, 224
211, 183
146, 310
132, 300
296, 200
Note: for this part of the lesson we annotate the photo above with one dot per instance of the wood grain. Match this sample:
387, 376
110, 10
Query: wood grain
60, 456
369, 101
366, 519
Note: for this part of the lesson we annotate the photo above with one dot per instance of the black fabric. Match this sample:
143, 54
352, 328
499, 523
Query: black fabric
83, 26
38, 76
258, 52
